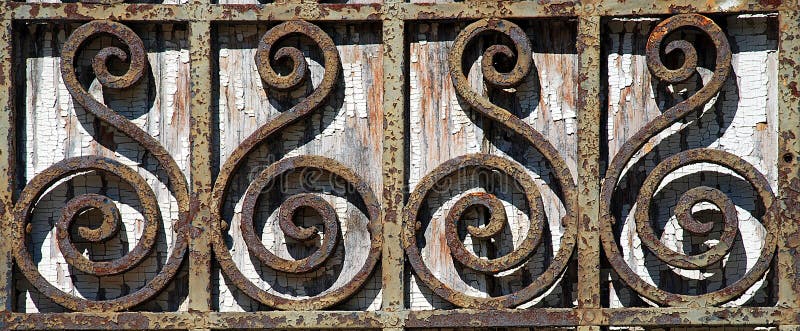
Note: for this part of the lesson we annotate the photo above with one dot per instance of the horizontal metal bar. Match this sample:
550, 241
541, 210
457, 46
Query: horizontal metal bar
557, 317
377, 12
711, 316
102, 321
190, 12
302, 320
483, 9
83, 12
197, 320
639, 8
282, 12
664, 317
531, 9
456, 318
473, 318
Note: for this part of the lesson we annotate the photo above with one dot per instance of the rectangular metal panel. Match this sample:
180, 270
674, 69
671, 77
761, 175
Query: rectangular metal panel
391, 164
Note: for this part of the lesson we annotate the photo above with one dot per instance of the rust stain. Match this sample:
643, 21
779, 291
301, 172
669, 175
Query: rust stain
496, 79
103, 314
265, 57
690, 198
41, 182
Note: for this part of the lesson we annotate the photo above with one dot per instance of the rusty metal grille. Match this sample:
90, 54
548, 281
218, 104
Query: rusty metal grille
589, 180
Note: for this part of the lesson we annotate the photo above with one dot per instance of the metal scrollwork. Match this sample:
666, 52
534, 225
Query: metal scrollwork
39, 185
266, 55
523, 251
695, 195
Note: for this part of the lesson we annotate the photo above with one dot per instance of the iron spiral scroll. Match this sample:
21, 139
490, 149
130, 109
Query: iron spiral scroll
498, 219
683, 209
266, 55
39, 185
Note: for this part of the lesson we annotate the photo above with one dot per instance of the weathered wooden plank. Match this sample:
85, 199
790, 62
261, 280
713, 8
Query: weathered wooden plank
441, 129
349, 129
54, 127
741, 120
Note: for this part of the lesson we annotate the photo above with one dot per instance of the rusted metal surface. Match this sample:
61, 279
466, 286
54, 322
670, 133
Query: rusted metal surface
103, 2
588, 254
200, 251
670, 164
394, 162
393, 220
288, 208
564, 317
377, 11
493, 77
456, 318
61, 170
788, 263
7, 159
266, 56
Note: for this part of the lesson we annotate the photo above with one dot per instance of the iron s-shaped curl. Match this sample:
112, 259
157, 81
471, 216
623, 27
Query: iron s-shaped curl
313, 101
111, 218
266, 56
150, 210
689, 65
329, 240
519, 256
684, 72
686, 220
672, 163
497, 221
39, 185
515, 76
497, 218
491, 75
289, 207
137, 60
560, 171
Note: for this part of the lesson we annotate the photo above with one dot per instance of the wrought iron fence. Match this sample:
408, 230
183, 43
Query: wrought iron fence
591, 189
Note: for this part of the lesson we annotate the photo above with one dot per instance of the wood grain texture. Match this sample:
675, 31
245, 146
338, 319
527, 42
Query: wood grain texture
348, 129
742, 120
440, 128
54, 127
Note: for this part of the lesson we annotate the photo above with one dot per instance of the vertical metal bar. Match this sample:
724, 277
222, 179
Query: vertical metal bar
393, 161
7, 154
589, 161
201, 174
7, 158
201, 178
393, 157
789, 152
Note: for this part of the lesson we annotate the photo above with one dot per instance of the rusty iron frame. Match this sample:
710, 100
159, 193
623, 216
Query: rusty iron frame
200, 17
